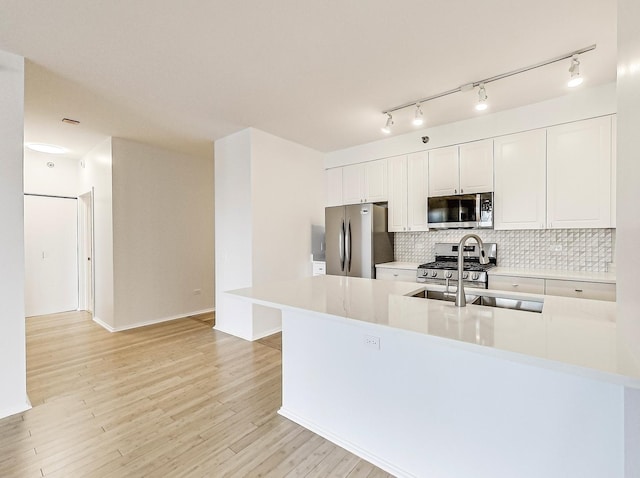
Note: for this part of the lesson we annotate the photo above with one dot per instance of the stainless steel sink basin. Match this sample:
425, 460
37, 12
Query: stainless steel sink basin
527, 305
508, 303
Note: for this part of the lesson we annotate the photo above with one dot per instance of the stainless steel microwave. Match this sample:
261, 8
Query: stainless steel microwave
464, 211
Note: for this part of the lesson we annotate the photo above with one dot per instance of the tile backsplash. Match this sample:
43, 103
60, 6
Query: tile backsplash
563, 249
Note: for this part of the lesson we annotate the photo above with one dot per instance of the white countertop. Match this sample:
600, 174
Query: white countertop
400, 265
606, 277
572, 335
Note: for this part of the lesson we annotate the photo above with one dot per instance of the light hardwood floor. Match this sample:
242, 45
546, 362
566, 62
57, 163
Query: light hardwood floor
171, 400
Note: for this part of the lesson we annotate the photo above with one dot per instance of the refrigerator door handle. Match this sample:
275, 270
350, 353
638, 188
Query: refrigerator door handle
348, 247
341, 246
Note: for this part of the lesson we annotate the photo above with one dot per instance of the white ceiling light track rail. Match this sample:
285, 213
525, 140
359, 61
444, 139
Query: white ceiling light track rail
573, 55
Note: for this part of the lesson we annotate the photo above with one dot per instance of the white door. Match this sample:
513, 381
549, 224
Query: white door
85, 252
51, 255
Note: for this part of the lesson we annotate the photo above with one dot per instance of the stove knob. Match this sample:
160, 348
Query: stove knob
434, 273
448, 274
475, 276
465, 275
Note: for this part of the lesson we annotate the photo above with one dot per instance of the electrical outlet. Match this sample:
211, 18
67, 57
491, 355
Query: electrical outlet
197, 291
371, 341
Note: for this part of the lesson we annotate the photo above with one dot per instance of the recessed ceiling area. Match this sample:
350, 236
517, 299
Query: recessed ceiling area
181, 75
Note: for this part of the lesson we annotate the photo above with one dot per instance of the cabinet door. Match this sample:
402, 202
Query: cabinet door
352, 184
520, 181
579, 174
443, 172
614, 168
530, 285
417, 191
583, 290
476, 167
334, 186
375, 181
397, 194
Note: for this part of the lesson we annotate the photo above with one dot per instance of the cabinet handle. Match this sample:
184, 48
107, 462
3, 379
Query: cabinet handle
578, 290
515, 285
461, 191
455, 191
408, 229
395, 275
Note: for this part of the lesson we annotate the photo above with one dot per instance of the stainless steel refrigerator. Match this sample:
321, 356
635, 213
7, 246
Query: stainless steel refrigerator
357, 239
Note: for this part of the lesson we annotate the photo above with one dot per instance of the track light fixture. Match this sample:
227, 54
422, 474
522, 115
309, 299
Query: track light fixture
482, 98
386, 129
574, 70
418, 119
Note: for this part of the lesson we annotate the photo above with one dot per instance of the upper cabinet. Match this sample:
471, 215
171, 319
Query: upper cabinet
520, 181
408, 186
365, 182
464, 169
579, 158
334, 186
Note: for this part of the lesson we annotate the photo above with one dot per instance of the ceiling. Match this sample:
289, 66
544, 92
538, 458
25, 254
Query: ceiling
183, 74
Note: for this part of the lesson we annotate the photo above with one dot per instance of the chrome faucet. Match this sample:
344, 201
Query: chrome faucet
461, 300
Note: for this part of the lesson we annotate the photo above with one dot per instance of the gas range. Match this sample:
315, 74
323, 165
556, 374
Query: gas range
445, 265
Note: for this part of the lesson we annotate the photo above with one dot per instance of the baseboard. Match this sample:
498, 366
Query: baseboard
103, 324
152, 322
346, 444
8, 411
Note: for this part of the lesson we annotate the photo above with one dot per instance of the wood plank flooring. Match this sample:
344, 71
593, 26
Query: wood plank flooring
177, 399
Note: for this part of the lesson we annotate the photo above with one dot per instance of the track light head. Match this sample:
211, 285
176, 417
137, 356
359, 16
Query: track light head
574, 70
482, 98
418, 119
386, 129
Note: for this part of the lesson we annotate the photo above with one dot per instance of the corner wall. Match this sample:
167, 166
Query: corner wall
162, 234
628, 177
13, 374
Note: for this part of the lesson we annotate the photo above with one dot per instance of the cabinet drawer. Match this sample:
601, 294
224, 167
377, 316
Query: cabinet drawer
583, 290
517, 284
406, 275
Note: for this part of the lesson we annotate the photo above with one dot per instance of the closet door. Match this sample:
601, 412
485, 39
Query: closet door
51, 255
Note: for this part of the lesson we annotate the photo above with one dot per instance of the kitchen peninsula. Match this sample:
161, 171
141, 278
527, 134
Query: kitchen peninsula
422, 388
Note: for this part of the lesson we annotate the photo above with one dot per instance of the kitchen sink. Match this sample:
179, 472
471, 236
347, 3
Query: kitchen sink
527, 305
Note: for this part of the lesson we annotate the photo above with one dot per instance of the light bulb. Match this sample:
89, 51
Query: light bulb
418, 119
482, 99
574, 70
386, 129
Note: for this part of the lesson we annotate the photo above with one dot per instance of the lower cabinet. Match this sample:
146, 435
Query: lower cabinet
584, 290
559, 287
517, 284
388, 273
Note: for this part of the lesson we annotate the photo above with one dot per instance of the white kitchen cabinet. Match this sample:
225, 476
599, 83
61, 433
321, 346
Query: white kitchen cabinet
579, 289
579, 174
614, 166
464, 169
408, 186
407, 275
397, 219
365, 182
444, 178
530, 285
476, 167
333, 179
417, 191
520, 181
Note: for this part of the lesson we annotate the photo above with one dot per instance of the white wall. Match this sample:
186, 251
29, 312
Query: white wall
269, 192
96, 174
13, 386
579, 104
628, 199
61, 180
163, 234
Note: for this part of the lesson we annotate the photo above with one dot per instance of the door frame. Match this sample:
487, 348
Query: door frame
86, 247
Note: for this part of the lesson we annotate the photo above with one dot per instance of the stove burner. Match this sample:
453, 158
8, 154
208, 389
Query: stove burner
453, 265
